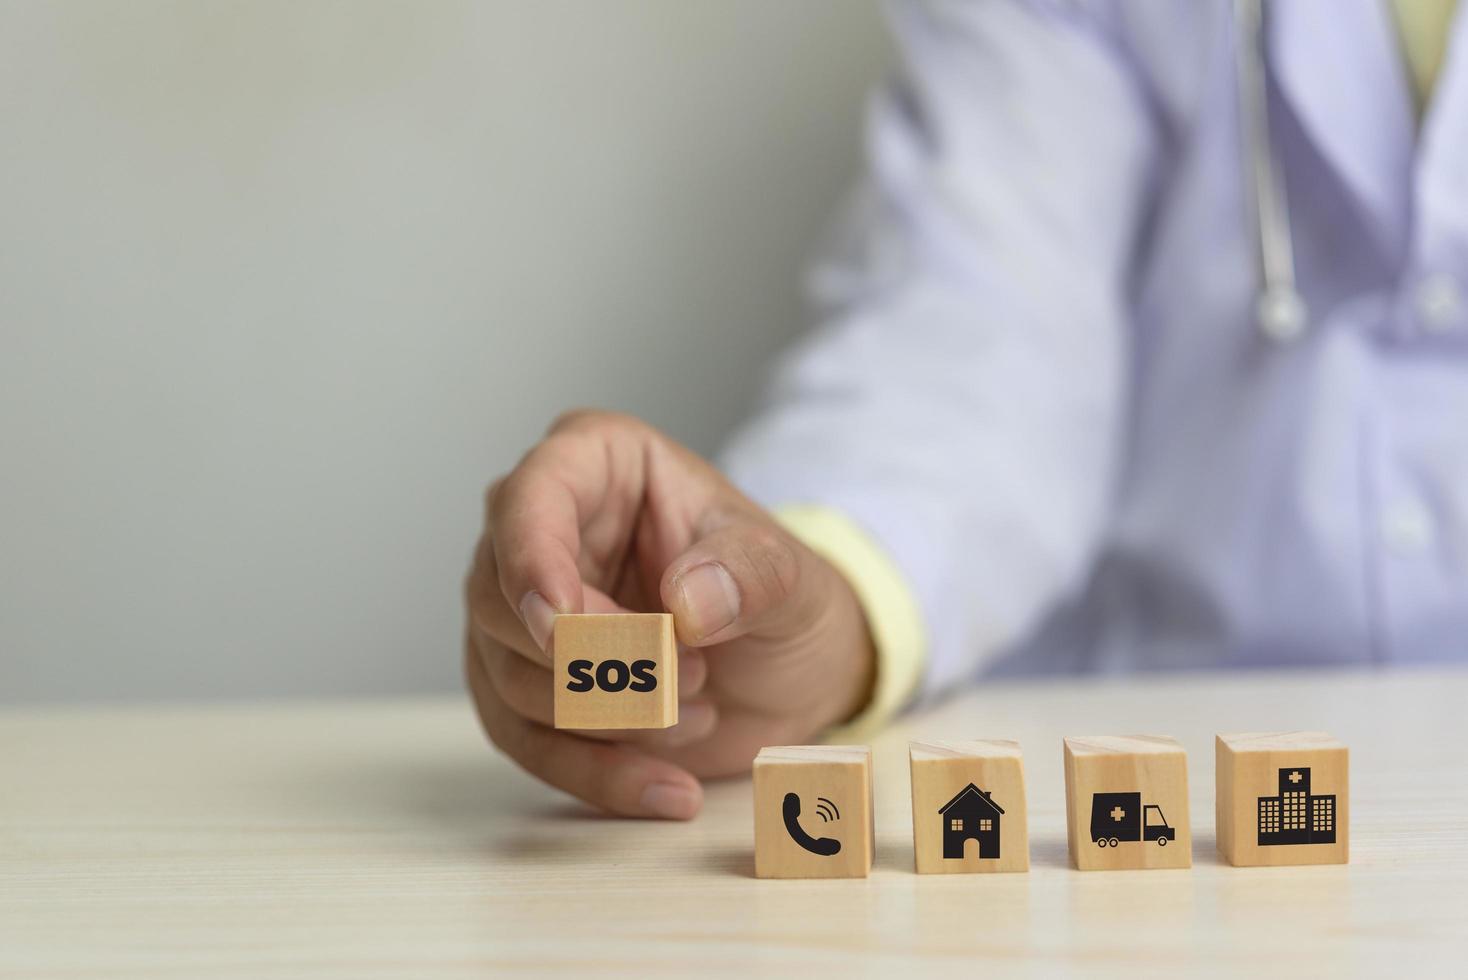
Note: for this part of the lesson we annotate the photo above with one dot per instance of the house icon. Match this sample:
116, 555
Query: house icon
971, 814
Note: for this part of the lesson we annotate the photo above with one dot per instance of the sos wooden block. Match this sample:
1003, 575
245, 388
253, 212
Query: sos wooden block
1282, 798
1126, 800
615, 671
813, 811
968, 807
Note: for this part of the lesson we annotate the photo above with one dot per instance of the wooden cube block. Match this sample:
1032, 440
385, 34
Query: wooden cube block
813, 811
968, 806
1126, 801
615, 671
1282, 798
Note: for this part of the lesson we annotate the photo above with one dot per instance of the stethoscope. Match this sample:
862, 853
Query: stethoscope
1280, 310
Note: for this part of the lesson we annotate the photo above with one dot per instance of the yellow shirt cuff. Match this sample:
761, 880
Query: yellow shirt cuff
893, 615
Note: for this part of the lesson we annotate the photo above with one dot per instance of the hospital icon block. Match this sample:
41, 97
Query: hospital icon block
1126, 799
1282, 798
968, 807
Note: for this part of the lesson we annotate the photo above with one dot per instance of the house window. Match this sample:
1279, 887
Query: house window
986, 825
955, 825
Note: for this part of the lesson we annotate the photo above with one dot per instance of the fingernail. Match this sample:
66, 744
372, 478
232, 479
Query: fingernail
673, 801
710, 598
539, 617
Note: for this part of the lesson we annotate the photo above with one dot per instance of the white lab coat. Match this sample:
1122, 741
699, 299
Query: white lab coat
1039, 381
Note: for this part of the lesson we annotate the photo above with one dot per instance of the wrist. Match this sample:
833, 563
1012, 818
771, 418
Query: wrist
882, 668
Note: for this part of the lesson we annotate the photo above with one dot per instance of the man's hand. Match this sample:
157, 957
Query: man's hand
608, 515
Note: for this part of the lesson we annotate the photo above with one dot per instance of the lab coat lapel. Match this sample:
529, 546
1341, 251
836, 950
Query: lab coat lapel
1339, 70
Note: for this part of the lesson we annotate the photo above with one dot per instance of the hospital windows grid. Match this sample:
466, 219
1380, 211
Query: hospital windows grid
1269, 816
1323, 815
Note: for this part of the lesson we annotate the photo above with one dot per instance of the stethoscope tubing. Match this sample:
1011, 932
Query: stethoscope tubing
1281, 311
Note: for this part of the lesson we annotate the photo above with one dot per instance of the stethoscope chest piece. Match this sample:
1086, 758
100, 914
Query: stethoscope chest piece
1281, 315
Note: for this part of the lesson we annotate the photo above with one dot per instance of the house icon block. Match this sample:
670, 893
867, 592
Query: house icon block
971, 814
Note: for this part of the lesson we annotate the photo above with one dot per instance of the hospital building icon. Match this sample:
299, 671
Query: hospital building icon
1295, 816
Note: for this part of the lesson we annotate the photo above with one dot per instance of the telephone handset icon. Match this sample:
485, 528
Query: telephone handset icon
824, 846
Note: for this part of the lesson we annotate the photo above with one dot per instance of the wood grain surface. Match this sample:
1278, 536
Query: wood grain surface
387, 840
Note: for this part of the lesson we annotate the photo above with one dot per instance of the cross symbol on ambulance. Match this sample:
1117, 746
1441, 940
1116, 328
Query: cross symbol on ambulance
1117, 813
1295, 776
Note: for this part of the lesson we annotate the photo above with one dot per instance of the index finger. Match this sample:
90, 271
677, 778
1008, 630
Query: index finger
537, 513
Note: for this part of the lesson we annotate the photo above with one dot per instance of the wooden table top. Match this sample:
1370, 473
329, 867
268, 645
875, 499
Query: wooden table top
367, 839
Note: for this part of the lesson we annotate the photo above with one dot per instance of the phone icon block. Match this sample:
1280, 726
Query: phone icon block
813, 811
824, 846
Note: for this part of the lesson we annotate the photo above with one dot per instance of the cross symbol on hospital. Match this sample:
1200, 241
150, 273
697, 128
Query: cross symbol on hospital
1295, 776
1117, 813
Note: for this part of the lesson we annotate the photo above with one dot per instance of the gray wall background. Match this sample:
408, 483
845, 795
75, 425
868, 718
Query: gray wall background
284, 284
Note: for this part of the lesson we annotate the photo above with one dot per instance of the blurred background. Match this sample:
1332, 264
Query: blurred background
284, 284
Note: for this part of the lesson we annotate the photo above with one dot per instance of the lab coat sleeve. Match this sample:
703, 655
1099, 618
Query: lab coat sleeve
963, 398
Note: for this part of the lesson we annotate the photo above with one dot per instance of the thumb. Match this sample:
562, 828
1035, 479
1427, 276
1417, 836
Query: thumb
743, 578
